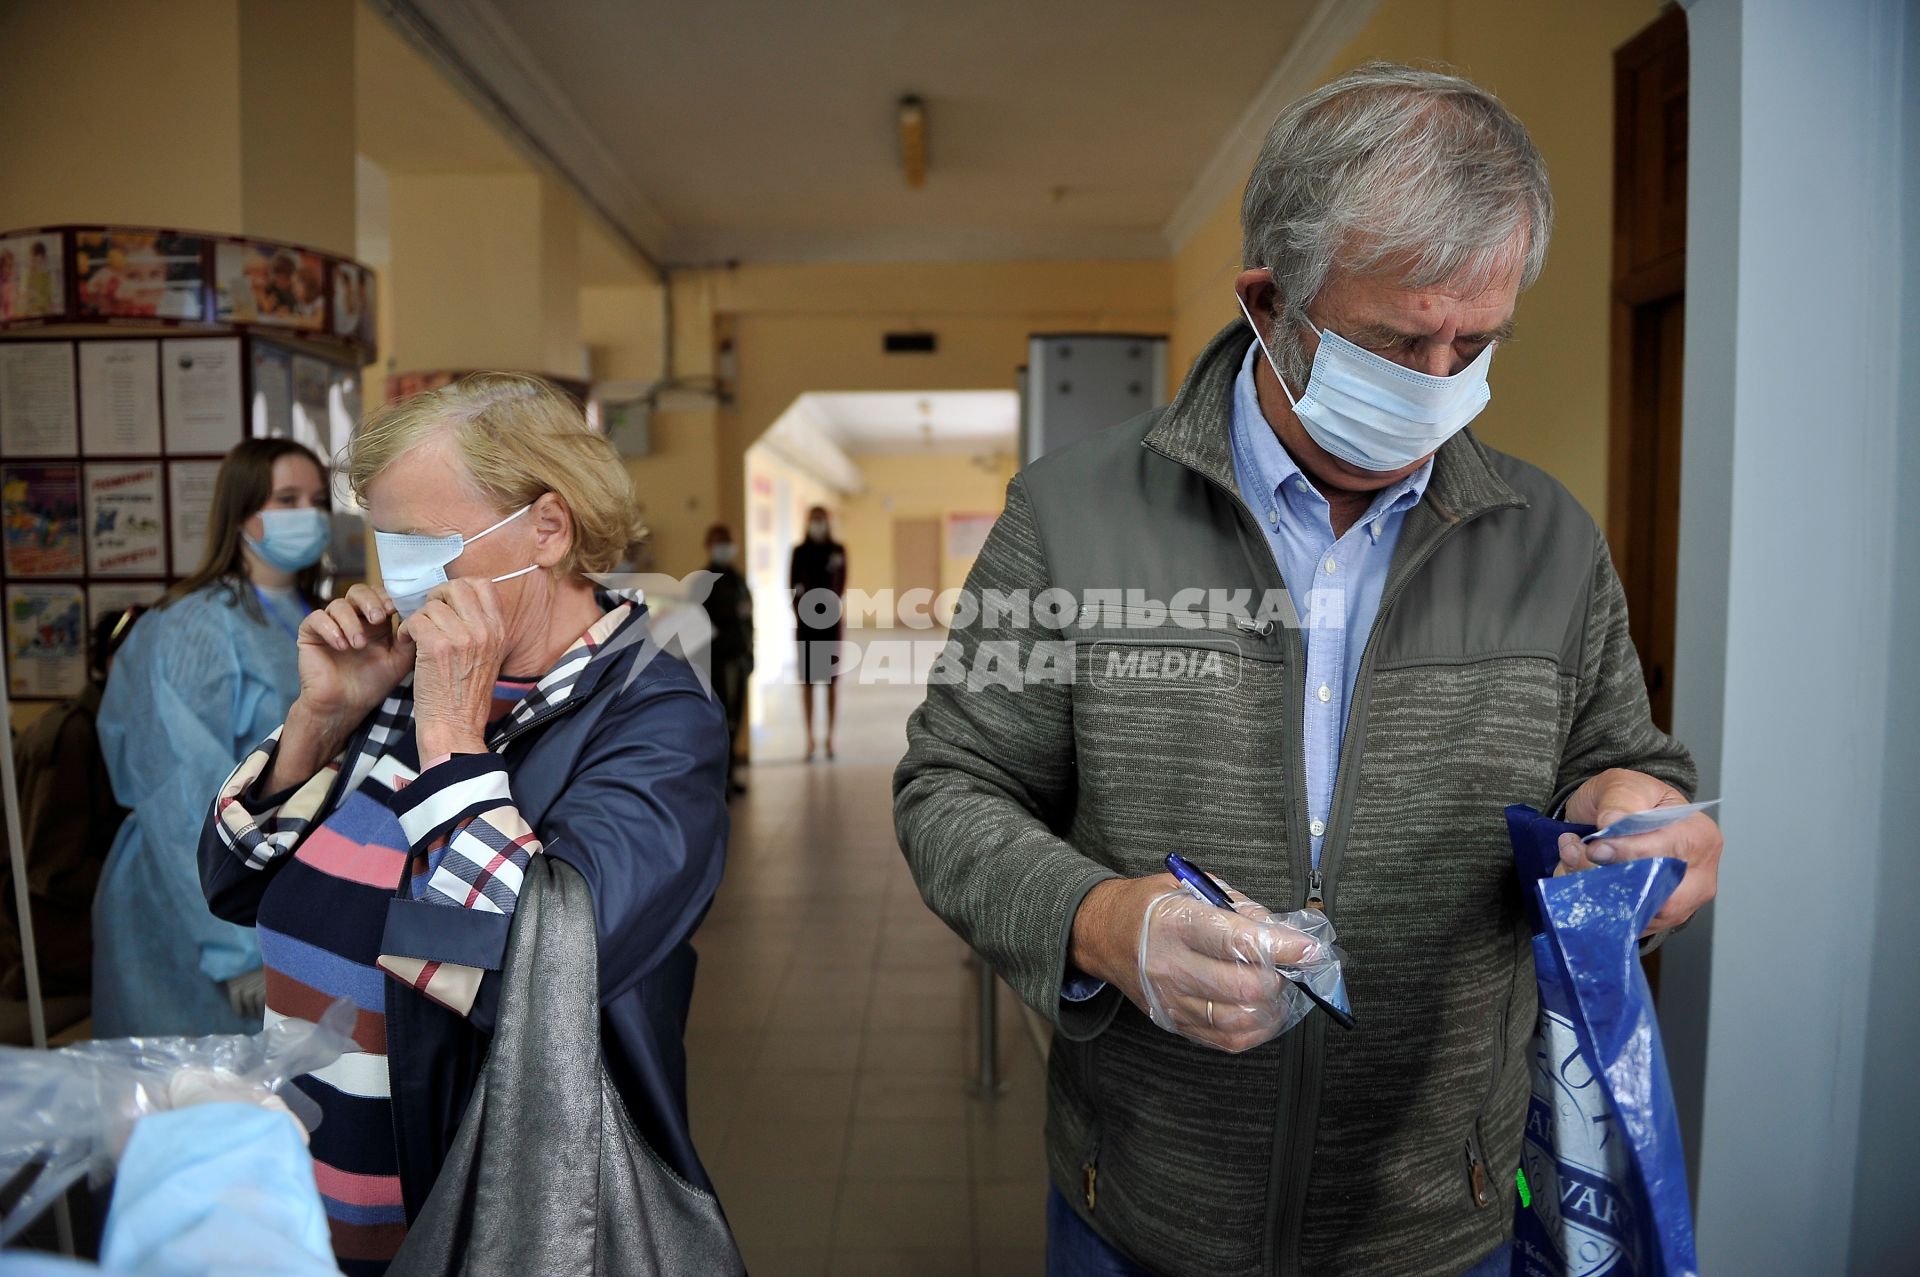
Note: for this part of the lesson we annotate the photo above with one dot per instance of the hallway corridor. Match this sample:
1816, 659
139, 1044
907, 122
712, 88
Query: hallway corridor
832, 1036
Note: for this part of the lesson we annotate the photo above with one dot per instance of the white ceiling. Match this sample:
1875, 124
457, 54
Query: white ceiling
909, 421
764, 130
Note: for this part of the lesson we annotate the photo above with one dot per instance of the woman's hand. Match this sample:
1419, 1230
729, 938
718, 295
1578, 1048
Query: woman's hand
351, 655
350, 658
460, 639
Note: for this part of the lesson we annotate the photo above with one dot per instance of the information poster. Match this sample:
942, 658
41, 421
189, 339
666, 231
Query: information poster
38, 417
189, 501
33, 277
115, 596
125, 536
200, 390
312, 417
120, 398
40, 511
46, 640
140, 274
270, 284
272, 392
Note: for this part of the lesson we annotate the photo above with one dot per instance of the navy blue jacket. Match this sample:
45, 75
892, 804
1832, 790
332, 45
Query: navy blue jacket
625, 781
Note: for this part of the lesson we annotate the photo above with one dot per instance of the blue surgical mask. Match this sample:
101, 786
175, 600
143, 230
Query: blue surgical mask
1373, 413
412, 565
292, 539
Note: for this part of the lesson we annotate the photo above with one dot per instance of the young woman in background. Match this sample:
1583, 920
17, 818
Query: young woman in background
202, 679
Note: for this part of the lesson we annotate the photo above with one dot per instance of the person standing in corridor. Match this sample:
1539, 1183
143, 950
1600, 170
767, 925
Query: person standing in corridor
819, 564
729, 607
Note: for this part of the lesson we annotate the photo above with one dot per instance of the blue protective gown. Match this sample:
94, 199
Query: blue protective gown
212, 1190
196, 686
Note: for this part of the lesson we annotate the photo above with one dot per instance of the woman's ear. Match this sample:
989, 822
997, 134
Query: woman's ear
552, 529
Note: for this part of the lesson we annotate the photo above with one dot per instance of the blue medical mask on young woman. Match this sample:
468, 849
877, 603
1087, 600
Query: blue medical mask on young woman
292, 540
1373, 413
411, 565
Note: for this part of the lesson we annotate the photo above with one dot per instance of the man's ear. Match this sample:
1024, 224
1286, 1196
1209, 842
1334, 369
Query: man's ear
552, 529
1255, 286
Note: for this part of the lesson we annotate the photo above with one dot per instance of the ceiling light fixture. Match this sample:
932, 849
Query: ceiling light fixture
913, 140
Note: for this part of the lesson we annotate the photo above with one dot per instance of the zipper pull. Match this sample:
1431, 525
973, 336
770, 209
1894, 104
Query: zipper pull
1090, 1182
1262, 628
1477, 1177
1315, 885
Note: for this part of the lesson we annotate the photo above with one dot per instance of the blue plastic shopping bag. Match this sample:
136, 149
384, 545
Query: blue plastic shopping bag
1606, 1179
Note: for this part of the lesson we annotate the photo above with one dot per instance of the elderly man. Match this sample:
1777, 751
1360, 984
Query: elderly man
1455, 639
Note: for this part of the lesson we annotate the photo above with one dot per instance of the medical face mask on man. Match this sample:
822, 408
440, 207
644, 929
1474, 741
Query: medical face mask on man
292, 539
722, 553
1373, 413
412, 565
817, 529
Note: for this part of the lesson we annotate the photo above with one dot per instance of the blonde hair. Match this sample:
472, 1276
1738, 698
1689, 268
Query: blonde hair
520, 438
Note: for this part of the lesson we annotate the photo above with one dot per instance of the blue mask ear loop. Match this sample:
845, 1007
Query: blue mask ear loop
1266, 350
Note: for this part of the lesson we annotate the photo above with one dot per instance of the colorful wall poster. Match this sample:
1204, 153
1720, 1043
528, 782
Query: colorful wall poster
355, 309
40, 512
272, 392
120, 398
125, 533
189, 502
33, 277
38, 417
140, 274
46, 640
268, 284
201, 393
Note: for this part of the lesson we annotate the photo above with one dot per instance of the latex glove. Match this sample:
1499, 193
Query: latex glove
189, 1086
248, 995
1214, 976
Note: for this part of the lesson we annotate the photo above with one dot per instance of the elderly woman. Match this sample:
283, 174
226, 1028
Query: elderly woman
488, 705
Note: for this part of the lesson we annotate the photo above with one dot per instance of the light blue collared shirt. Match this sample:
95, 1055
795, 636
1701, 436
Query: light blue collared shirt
1335, 582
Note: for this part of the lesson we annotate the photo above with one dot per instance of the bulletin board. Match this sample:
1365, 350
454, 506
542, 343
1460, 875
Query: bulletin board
111, 432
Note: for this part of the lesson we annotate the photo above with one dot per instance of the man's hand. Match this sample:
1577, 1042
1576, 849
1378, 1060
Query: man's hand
461, 638
1205, 973
1696, 840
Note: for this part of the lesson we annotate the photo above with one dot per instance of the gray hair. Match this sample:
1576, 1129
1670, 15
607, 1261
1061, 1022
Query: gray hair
1391, 163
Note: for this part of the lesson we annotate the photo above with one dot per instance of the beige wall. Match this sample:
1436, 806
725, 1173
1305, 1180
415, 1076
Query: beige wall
1553, 65
297, 121
917, 486
484, 273
216, 115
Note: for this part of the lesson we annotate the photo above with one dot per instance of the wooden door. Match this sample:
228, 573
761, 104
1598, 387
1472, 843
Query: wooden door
916, 555
1649, 283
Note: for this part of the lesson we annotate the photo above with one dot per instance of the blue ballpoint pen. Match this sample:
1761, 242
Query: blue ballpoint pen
1202, 884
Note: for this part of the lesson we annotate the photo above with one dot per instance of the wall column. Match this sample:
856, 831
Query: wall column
230, 116
1794, 1010
485, 273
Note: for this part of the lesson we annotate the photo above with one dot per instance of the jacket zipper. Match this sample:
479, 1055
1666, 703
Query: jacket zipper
539, 720
1164, 619
1353, 745
1298, 1065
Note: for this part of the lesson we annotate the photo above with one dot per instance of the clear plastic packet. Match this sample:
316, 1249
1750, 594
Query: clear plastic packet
1282, 965
68, 1113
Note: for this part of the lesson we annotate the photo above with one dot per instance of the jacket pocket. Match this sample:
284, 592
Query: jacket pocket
1483, 1179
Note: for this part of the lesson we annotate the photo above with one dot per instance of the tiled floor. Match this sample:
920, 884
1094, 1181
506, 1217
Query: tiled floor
832, 1036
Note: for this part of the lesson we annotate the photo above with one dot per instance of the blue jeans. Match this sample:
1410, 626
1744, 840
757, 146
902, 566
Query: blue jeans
1075, 1250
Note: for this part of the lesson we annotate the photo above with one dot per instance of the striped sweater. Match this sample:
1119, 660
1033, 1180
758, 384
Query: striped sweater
320, 928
